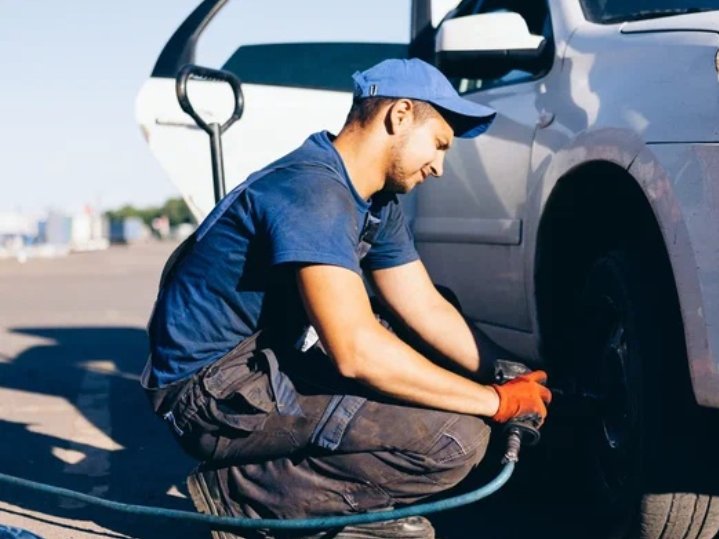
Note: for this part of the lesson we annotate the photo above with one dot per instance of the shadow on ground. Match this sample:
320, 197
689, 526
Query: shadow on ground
148, 464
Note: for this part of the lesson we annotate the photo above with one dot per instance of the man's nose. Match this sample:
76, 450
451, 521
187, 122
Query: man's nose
437, 167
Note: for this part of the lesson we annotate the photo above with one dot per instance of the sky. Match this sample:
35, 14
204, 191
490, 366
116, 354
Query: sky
70, 72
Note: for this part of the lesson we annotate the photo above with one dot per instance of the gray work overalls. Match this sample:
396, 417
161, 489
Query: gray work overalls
280, 445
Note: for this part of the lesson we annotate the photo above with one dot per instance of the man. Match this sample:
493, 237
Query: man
267, 360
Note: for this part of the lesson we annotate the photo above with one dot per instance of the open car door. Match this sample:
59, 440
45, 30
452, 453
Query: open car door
290, 91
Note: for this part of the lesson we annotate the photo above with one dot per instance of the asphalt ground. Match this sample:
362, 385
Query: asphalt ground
72, 414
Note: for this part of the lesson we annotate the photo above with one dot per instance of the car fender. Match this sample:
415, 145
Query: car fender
554, 157
681, 184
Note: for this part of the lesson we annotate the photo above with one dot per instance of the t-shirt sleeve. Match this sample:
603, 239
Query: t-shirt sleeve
309, 218
394, 243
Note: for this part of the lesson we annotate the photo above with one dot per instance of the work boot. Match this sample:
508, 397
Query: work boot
205, 492
404, 528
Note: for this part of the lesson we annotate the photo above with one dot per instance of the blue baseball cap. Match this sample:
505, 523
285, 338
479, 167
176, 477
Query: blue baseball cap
416, 79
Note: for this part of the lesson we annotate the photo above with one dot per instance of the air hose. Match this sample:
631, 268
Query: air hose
515, 434
519, 430
268, 523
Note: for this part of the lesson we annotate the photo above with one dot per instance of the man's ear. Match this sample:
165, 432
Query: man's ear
399, 115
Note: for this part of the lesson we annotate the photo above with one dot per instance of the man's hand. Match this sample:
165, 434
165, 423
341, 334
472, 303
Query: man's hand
524, 395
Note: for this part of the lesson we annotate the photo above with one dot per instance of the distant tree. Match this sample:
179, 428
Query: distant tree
177, 212
174, 208
124, 212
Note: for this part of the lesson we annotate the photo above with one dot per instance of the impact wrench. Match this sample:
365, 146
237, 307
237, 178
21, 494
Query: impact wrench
522, 429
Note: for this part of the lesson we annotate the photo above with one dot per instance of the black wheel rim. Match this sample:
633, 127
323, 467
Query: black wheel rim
613, 432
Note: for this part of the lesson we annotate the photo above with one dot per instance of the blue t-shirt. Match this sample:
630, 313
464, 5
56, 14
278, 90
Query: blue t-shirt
239, 275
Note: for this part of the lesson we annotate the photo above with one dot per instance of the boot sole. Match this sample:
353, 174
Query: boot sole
200, 495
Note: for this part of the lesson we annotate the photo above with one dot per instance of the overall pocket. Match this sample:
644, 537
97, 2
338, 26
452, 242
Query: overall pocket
240, 393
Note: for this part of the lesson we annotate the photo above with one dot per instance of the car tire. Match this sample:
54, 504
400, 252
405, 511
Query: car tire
635, 445
672, 515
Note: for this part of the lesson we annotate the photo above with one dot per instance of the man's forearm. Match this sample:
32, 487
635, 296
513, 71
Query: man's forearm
444, 329
393, 368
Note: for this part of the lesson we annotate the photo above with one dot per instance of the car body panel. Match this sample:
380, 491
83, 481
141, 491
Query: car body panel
638, 127
633, 83
478, 203
271, 126
682, 183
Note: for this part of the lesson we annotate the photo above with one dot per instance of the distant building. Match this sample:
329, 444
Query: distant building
56, 229
54, 234
89, 231
128, 230
19, 235
16, 228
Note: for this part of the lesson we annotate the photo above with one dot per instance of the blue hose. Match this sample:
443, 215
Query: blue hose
270, 523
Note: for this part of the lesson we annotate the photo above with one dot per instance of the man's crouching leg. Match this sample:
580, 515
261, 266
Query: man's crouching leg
389, 456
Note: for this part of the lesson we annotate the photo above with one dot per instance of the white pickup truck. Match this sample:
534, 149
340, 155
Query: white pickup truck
581, 232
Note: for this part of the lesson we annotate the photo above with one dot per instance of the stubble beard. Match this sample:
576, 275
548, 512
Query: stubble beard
397, 180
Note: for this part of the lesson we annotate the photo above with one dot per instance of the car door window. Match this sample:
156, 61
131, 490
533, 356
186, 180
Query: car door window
536, 15
614, 11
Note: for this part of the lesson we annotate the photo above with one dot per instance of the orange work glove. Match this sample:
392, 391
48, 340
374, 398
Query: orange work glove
524, 395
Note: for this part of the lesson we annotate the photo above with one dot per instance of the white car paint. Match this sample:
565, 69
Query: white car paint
481, 32
272, 124
682, 182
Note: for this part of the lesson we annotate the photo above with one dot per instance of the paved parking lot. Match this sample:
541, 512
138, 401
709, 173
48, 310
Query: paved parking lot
71, 411
72, 345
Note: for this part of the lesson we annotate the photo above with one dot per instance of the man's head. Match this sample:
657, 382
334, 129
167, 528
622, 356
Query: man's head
417, 138
419, 111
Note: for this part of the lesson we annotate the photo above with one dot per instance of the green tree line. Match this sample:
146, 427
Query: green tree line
174, 208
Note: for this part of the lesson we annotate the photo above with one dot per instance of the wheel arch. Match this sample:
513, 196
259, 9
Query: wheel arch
595, 207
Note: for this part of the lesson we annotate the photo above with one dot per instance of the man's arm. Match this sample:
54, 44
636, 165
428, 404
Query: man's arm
361, 348
411, 295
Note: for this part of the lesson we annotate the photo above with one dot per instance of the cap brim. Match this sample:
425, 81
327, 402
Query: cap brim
466, 118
